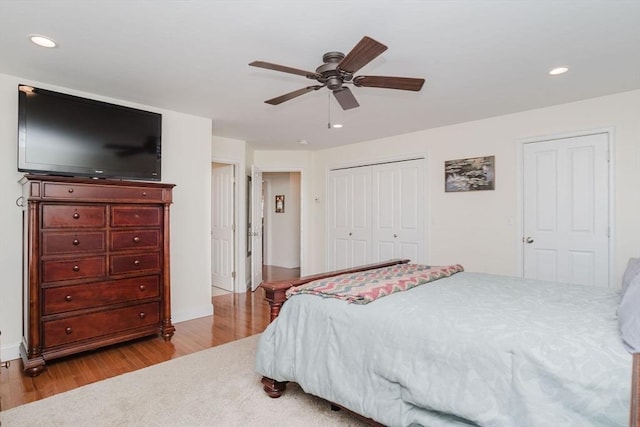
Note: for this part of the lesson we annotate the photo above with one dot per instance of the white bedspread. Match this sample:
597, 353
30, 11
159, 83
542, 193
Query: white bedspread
471, 349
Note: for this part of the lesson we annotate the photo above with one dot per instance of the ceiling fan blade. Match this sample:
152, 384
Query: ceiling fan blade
402, 83
275, 67
345, 98
364, 52
287, 96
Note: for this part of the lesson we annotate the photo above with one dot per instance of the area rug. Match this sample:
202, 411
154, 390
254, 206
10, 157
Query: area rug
213, 387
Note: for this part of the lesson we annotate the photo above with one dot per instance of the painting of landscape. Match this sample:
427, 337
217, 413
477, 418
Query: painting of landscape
473, 174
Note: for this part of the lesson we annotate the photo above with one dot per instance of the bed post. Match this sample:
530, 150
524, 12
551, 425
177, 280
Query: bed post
273, 388
634, 418
275, 294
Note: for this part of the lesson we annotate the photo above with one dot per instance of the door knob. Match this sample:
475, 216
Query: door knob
529, 240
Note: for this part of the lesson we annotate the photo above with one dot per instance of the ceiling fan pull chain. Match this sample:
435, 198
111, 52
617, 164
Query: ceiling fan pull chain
329, 110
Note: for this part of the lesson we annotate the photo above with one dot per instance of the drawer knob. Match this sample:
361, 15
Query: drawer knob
136, 263
68, 298
76, 268
70, 190
141, 287
76, 215
136, 239
68, 330
76, 242
144, 194
142, 315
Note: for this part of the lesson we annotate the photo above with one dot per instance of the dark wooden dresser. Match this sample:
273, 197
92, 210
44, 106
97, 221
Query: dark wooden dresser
96, 265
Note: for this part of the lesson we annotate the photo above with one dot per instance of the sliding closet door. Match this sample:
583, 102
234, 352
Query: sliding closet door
398, 213
349, 218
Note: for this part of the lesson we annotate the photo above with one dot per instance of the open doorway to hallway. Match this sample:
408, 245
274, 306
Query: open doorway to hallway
281, 224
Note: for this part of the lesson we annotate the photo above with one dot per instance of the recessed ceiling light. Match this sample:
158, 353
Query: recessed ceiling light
42, 40
336, 125
558, 70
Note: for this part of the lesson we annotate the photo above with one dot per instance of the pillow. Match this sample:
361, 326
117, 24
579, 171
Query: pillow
629, 316
633, 268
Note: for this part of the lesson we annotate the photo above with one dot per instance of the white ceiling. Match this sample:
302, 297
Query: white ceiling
481, 58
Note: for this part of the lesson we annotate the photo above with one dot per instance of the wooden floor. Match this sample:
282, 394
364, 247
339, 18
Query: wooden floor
235, 316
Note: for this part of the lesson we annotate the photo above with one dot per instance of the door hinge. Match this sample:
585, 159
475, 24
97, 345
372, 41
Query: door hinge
233, 274
233, 227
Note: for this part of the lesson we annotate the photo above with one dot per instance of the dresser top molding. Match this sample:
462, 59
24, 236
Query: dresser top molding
57, 188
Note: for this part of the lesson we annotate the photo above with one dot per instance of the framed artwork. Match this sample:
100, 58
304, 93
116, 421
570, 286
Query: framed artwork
280, 203
473, 174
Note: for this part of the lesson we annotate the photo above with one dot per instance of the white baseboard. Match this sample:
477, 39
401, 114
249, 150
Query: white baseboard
202, 311
10, 352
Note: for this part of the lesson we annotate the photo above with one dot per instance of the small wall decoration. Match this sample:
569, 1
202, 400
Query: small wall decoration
280, 203
473, 174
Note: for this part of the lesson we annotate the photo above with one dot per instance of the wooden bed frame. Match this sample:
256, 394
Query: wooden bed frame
275, 294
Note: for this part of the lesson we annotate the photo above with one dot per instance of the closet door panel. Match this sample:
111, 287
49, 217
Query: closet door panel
349, 219
399, 190
341, 254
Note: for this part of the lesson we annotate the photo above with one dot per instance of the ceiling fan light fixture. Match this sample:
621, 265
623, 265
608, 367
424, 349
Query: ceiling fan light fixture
42, 41
558, 70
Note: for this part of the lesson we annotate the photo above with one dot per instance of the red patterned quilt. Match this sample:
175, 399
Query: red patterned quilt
366, 286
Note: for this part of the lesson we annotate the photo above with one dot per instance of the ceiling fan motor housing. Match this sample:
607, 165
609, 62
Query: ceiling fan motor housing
331, 75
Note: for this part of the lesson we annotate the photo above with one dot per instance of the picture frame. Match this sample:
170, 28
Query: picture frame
471, 174
279, 203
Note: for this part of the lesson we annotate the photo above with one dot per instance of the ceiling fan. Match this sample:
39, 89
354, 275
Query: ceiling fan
339, 70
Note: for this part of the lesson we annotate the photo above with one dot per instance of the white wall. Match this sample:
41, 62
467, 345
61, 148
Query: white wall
493, 246
186, 150
282, 230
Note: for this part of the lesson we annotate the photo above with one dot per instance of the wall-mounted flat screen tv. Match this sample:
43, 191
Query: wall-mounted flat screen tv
61, 134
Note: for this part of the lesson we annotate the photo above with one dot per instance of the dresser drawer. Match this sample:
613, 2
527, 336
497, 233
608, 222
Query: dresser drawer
70, 216
97, 192
69, 269
134, 263
93, 325
69, 242
132, 216
68, 298
135, 239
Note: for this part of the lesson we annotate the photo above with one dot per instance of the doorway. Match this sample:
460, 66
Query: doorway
566, 209
280, 221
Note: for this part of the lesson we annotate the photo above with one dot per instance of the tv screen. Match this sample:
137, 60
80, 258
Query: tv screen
61, 134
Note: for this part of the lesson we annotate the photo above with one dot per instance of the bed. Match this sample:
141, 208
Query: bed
464, 349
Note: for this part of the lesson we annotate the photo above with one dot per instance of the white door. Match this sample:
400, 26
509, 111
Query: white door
398, 199
349, 217
222, 226
256, 227
566, 210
